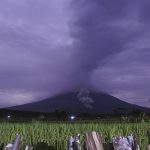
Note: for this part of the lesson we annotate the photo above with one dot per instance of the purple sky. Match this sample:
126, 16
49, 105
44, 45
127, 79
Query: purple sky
52, 46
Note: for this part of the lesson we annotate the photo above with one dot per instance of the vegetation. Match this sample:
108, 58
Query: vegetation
48, 136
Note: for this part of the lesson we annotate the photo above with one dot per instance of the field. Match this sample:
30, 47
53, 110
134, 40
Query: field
53, 136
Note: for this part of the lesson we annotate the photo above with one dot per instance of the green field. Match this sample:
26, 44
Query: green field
48, 136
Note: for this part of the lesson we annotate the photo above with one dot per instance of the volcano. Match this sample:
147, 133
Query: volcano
83, 102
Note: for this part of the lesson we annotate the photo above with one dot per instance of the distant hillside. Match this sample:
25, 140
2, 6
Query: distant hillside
83, 102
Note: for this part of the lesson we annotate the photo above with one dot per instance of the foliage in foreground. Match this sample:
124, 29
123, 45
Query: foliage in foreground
54, 135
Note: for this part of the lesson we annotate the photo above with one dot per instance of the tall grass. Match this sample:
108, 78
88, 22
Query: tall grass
56, 134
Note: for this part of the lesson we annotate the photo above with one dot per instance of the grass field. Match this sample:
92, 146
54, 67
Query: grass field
55, 135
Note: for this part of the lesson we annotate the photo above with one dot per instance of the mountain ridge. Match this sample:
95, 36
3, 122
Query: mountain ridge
84, 102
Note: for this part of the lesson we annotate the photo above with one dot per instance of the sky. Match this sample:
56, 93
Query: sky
54, 46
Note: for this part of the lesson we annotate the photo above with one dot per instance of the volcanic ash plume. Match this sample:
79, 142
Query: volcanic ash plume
84, 97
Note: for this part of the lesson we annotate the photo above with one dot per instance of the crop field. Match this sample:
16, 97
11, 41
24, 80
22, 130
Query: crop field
53, 136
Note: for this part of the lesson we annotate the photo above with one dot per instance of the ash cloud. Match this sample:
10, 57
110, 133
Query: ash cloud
101, 31
84, 97
111, 40
98, 44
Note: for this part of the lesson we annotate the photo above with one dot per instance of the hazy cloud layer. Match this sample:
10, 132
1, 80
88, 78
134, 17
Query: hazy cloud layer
53, 46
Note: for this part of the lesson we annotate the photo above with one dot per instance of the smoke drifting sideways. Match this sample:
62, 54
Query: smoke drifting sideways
83, 96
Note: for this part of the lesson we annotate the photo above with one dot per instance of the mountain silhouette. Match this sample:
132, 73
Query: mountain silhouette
73, 102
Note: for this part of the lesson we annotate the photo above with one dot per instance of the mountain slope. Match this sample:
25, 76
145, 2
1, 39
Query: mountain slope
84, 103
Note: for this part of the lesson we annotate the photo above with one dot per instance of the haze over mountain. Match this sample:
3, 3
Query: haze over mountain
48, 47
82, 102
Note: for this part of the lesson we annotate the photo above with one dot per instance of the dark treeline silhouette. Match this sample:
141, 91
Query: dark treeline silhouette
57, 115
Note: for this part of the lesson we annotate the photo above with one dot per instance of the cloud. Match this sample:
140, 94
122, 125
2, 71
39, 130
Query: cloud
49, 47
16, 97
99, 33
34, 50
112, 42
125, 76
